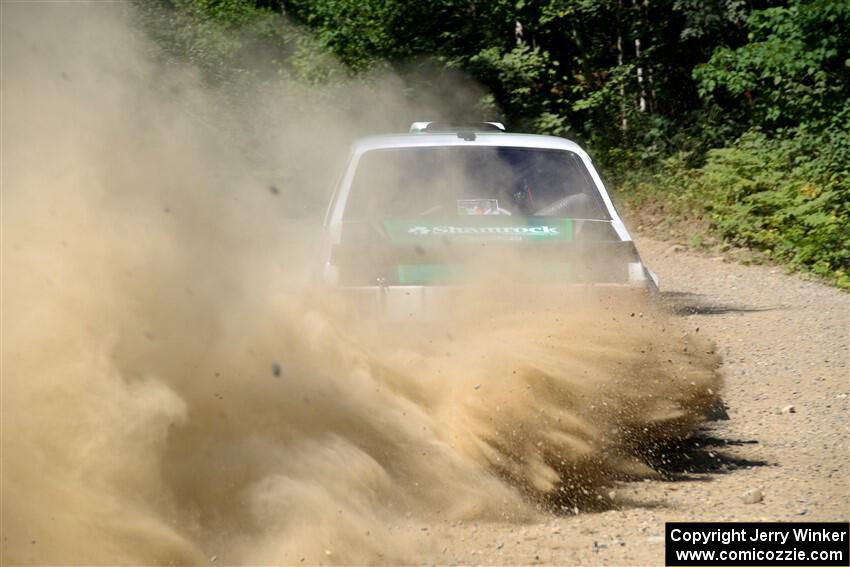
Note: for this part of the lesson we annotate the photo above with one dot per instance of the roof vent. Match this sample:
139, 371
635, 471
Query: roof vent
452, 127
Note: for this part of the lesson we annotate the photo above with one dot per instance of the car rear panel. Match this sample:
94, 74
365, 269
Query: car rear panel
465, 249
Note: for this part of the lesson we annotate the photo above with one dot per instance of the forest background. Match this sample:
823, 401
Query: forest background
724, 124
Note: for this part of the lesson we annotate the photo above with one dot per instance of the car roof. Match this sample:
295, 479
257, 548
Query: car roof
390, 141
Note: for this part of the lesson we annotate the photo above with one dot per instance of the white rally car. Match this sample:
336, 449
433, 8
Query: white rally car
413, 212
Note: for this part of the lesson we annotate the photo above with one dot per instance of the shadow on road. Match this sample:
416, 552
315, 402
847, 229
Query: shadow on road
701, 454
697, 459
684, 303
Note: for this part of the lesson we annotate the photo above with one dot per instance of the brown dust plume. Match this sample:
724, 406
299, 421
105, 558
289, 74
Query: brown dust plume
171, 390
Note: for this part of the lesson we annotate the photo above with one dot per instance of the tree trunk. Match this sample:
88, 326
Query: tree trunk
624, 123
641, 86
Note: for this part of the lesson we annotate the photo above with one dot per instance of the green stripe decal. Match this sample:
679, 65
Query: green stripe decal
421, 274
428, 273
497, 227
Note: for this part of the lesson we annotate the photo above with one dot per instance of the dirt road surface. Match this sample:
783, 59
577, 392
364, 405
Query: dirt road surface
785, 346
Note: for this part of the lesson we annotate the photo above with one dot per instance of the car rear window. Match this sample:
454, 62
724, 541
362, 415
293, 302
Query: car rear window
451, 180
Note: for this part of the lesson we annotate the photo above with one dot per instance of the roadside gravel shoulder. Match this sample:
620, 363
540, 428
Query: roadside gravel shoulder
784, 342
782, 454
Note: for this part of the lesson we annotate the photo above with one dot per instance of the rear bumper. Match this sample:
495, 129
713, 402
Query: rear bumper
429, 303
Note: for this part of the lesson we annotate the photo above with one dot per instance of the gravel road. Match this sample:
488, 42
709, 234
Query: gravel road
785, 442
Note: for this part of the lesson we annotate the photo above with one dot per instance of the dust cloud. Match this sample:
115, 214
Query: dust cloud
173, 392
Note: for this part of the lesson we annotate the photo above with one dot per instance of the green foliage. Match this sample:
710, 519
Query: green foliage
733, 110
794, 68
760, 199
520, 73
359, 33
234, 43
782, 187
219, 37
758, 193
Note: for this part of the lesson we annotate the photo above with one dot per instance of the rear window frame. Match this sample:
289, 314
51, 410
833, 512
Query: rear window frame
577, 162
